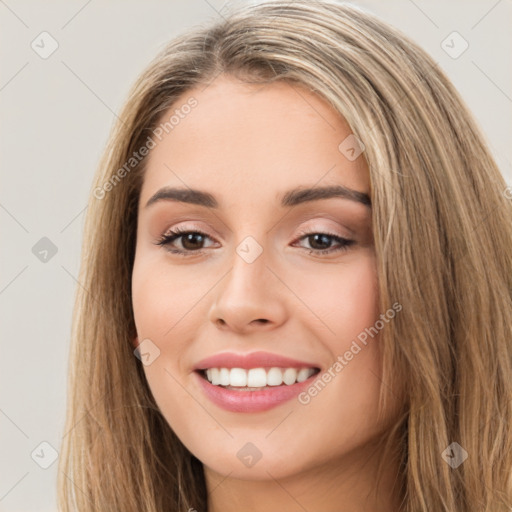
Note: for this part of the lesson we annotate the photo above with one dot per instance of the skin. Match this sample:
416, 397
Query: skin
247, 145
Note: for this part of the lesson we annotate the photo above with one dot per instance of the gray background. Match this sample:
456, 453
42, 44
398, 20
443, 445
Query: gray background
56, 115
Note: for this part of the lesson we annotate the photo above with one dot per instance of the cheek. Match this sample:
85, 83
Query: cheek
163, 296
158, 305
346, 306
167, 301
357, 299
343, 299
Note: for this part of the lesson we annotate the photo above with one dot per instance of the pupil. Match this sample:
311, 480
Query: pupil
189, 239
322, 238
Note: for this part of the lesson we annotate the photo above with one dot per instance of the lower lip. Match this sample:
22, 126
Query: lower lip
252, 401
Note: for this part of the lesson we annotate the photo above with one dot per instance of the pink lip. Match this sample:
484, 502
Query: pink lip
251, 401
251, 360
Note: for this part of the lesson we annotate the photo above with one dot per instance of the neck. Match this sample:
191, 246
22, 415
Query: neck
348, 484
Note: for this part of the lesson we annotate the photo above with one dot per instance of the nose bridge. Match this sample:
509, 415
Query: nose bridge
248, 277
249, 291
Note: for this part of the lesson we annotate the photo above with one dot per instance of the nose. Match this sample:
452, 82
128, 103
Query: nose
249, 298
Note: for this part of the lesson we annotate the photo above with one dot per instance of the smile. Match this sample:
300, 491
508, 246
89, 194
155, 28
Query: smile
255, 379
253, 382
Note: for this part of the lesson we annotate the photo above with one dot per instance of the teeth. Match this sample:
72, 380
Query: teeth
274, 377
290, 376
237, 377
215, 373
303, 374
224, 377
257, 377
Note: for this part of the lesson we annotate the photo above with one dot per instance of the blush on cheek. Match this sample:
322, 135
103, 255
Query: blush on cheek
159, 302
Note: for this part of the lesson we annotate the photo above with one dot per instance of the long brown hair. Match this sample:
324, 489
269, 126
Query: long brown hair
443, 239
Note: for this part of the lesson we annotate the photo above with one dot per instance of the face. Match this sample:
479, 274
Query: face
259, 281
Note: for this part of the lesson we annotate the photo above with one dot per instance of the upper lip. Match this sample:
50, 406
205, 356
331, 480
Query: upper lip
251, 360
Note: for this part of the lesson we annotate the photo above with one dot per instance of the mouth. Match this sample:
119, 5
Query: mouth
253, 390
256, 379
253, 382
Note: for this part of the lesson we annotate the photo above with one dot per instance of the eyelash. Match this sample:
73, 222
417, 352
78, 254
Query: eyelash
171, 236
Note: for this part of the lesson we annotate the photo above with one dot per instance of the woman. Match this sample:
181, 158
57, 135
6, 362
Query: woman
296, 282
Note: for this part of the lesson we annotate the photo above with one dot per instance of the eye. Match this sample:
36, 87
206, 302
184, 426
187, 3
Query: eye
191, 241
321, 243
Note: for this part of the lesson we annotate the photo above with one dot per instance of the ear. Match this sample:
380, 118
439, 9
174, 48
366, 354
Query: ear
135, 342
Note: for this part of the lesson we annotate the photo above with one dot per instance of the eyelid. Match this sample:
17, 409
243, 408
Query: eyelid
326, 222
185, 228
326, 231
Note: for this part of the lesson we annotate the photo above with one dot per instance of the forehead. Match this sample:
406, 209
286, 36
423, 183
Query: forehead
248, 142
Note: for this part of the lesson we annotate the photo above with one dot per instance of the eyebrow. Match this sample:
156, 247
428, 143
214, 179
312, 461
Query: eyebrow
291, 198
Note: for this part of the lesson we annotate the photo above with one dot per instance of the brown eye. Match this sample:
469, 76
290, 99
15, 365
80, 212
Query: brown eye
321, 243
192, 242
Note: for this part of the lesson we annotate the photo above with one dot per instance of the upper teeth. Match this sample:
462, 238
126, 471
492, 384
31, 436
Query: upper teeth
257, 377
